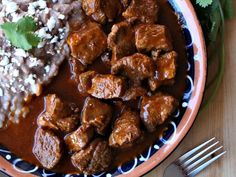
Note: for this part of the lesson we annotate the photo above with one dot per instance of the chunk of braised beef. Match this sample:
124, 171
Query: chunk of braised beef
126, 130
67, 124
47, 148
80, 138
76, 68
101, 11
166, 71
107, 86
150, 37
93, 8
97, 114
85, 81
88, 43
121, 40
133, 93
156, 109
145, 11
136, 67
58, 115
97, 157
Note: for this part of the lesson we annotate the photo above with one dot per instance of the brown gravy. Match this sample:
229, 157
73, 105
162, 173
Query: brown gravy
19, 138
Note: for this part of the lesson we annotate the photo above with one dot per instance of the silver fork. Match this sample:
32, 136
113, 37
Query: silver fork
196, 160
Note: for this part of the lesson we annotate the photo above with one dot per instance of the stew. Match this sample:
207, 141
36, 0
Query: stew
113, 96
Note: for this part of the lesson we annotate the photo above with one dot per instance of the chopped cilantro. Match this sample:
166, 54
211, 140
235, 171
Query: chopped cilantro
21, 34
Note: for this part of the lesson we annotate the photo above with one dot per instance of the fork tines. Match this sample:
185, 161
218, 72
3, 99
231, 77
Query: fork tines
200, 157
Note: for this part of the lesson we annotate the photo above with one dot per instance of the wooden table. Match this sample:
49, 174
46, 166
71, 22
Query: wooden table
218, 120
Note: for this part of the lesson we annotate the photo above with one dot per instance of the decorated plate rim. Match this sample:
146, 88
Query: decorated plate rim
162, 149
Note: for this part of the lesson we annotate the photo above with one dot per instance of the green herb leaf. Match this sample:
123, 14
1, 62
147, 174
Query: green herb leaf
32, 39
21, 34
26, 24
204, 3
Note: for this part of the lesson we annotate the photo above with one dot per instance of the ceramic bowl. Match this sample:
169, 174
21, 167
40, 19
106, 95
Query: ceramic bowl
177, 128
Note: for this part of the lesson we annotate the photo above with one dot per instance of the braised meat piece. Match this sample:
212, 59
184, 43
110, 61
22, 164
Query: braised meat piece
121, 40
76, 68
166, 71
58, 115
100, 10
101, 86
47, 148
97, 114
136, 67
145, 11
88, 43
126, 130
150, 37
80, 138
85, 81
107, 86
133, 93
93, 8
95, 158
156, 109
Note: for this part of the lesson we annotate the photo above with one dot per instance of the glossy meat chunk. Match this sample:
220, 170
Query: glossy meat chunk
107, 86
93, 8
151, 36
54, 106
133, 93
145, 11
156, 109
58, 115
97, 114
88, 43
80, 138
95, 158
76, 68
85, 81
126, 130
121, 40
100, 10
136, 67
166, 71
47, 148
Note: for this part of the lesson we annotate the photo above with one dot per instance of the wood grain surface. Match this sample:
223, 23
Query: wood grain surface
218, 120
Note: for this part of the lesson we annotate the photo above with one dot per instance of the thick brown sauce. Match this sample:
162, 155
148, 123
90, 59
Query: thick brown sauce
19, 138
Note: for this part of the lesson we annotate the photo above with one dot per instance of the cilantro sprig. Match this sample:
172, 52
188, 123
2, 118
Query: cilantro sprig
21, 34
204, 3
